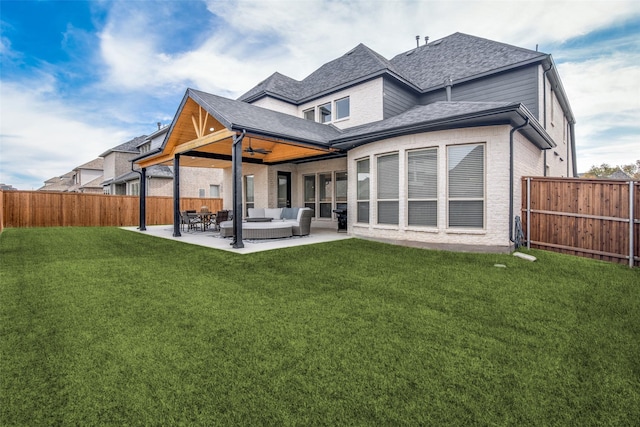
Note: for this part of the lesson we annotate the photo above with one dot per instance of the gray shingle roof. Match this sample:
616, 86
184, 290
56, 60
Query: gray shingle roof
93, 164
424, 114
130, 146
459, 56
241, 115
359, 63
155, 171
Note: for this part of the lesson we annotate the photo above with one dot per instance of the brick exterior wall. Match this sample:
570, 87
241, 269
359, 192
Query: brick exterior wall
496, 230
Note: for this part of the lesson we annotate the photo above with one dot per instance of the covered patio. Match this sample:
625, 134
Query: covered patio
214, 241
215, 132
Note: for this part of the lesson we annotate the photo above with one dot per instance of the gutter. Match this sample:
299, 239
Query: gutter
511, 132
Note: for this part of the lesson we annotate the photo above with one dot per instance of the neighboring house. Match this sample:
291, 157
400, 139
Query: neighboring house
429, 146
7, 187
88, 177
59, 183
120, 178
620, 174
85, 178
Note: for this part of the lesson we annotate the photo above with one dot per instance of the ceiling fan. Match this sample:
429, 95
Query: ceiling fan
253, 151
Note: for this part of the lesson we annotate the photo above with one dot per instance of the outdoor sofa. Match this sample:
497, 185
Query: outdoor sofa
270, 223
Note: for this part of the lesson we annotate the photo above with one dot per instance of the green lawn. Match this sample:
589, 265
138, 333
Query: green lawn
100, 326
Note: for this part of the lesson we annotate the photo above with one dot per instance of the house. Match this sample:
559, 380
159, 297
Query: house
59, 183
85, 178
428, 146
120, 177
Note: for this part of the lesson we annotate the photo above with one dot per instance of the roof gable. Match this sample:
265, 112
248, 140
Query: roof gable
359, 63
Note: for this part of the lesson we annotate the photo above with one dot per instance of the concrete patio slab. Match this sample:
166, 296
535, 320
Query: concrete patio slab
212, 239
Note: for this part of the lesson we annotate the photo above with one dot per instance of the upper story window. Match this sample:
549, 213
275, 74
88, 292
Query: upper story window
342, 108
325, 112
310, 114
329, 111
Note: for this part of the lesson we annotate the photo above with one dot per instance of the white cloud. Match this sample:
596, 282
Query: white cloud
605, 96
140, 65
42, 138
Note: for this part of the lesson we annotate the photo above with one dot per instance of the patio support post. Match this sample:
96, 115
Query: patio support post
143, 200
236, 171
176, 196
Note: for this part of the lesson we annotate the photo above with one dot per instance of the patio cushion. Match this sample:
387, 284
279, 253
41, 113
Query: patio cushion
289, 213
256, 212
272, 213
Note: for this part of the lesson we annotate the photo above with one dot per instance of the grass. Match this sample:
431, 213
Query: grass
100, 326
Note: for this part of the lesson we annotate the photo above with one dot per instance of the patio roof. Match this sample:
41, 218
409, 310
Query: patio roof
203, 129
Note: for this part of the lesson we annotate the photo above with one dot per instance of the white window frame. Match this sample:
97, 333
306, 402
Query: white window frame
457, 199
360, 200
333, 108
412, 177
309, 110
337, 119
387, 200
321, 117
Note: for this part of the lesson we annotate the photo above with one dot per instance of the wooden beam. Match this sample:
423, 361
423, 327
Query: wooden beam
201, 125
204, 140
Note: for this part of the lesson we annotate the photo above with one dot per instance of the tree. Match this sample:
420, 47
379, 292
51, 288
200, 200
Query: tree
605, 170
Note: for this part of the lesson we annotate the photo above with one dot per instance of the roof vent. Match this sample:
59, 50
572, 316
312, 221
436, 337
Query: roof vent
436, 43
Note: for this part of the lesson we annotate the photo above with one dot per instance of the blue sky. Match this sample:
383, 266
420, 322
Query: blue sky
77, 78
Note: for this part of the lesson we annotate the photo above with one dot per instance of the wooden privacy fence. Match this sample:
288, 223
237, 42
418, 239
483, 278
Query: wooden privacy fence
53, 209
586, 217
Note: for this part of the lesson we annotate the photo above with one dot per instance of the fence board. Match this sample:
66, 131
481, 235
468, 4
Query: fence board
589, 218
54, 209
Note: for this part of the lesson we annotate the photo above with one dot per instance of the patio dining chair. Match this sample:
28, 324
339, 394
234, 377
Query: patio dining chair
220, 217
190, 219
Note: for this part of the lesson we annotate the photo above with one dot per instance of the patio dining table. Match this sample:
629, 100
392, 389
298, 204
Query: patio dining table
206, 219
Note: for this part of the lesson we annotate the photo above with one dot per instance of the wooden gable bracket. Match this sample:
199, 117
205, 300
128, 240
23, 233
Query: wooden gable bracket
200, 125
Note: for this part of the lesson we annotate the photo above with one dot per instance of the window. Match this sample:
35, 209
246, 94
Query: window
134, 189
465, 167
362, 167
342, 108
388, 189
325, 195
214, 191
422, 180
201, 193
310, 114
248, 193
310, 192
341, 190
325, 112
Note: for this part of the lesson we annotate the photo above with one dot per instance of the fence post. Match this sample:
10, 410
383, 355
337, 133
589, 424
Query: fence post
631, 225
528, 212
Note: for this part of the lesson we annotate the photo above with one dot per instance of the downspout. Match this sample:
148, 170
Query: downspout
544, 111
447, 85
176, 196
511, 132
573, 149
142, 196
